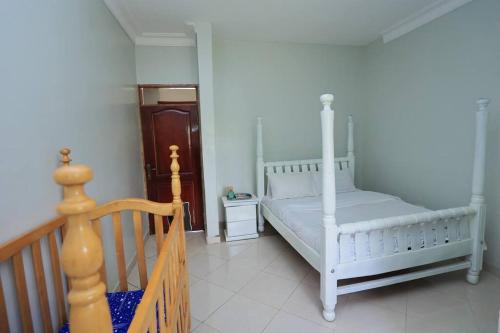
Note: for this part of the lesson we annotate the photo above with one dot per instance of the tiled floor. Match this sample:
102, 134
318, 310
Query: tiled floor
263, 285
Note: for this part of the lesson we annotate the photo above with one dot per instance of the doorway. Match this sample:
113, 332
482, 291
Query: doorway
170, 115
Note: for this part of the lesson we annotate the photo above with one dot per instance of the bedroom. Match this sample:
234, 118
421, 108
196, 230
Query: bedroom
412, 101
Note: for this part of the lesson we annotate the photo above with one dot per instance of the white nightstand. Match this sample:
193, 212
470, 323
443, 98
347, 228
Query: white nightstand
241, 218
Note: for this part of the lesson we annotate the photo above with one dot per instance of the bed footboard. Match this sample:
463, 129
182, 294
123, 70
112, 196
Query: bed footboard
389, 244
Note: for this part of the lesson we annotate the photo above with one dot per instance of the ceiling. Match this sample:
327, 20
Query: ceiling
341, 22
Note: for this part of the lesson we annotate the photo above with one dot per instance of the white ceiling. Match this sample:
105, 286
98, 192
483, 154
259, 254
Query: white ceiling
343, 22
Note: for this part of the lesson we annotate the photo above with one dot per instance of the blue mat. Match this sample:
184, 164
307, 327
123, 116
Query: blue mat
122, 305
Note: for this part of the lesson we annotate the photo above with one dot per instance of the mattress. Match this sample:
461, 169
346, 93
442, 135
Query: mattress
303, 215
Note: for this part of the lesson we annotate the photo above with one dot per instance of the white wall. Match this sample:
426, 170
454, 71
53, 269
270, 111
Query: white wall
166, 64
282, 83
420, 97
68, 79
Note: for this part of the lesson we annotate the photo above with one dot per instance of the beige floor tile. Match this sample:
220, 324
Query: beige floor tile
289, 266
194, 323
225, 250
256, 256
201, 264
285, 322
458, 319
193, 280
204, 328
391, 298
242, 315
371, 318
232, 276
133, 277
132, 287
423, 302
206, 298
269, 289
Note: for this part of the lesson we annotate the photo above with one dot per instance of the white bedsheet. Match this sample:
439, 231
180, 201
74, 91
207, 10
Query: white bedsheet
303, 215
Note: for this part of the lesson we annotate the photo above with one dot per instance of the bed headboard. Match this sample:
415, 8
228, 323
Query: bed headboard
295, 166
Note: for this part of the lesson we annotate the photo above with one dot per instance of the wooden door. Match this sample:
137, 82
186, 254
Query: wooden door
164, 125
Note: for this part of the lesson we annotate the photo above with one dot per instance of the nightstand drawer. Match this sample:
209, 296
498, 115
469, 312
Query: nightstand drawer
241, 228
240, 213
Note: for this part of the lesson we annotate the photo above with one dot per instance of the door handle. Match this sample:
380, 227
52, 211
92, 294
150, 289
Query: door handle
148, 171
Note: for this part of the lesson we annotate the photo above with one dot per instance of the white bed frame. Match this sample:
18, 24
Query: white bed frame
382, 245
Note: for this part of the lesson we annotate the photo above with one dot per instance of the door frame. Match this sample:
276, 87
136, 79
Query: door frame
141, 142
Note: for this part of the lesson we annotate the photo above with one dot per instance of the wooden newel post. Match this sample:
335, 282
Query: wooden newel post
176, 180
82, 254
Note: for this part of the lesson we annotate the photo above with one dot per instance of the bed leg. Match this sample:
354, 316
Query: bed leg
329, 296
329, 313
472, 277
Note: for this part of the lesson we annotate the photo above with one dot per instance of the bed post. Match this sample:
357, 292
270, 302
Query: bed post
350, 145
81, 254
260, 171
477, 200
329, 246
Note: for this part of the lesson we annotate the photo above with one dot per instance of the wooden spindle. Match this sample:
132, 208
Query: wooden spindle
56, 277
139, 246
22, 292
82, 254
159, 232
176, 181
120, 253
4, 320
161, 311
36, 251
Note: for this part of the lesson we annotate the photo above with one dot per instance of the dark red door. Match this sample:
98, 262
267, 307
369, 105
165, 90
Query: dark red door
162, 126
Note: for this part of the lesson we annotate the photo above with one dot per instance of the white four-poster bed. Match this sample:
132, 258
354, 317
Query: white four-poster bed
356, 233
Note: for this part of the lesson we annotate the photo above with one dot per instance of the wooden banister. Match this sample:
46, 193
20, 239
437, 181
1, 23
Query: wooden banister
82, 254
176, 180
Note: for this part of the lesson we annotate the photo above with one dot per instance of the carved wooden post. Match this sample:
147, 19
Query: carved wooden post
260, 171
176, 180
82, 254
177, 202
65, 158
477, 200
329, 244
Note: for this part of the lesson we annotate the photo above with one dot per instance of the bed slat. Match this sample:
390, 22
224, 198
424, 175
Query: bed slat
4, 319
36, 251
96, 225
159, 233
120, 256
139, 244
22, 292
56, 276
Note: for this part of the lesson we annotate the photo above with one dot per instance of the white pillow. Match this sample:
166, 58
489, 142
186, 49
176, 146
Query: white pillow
290, 185
343, 181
